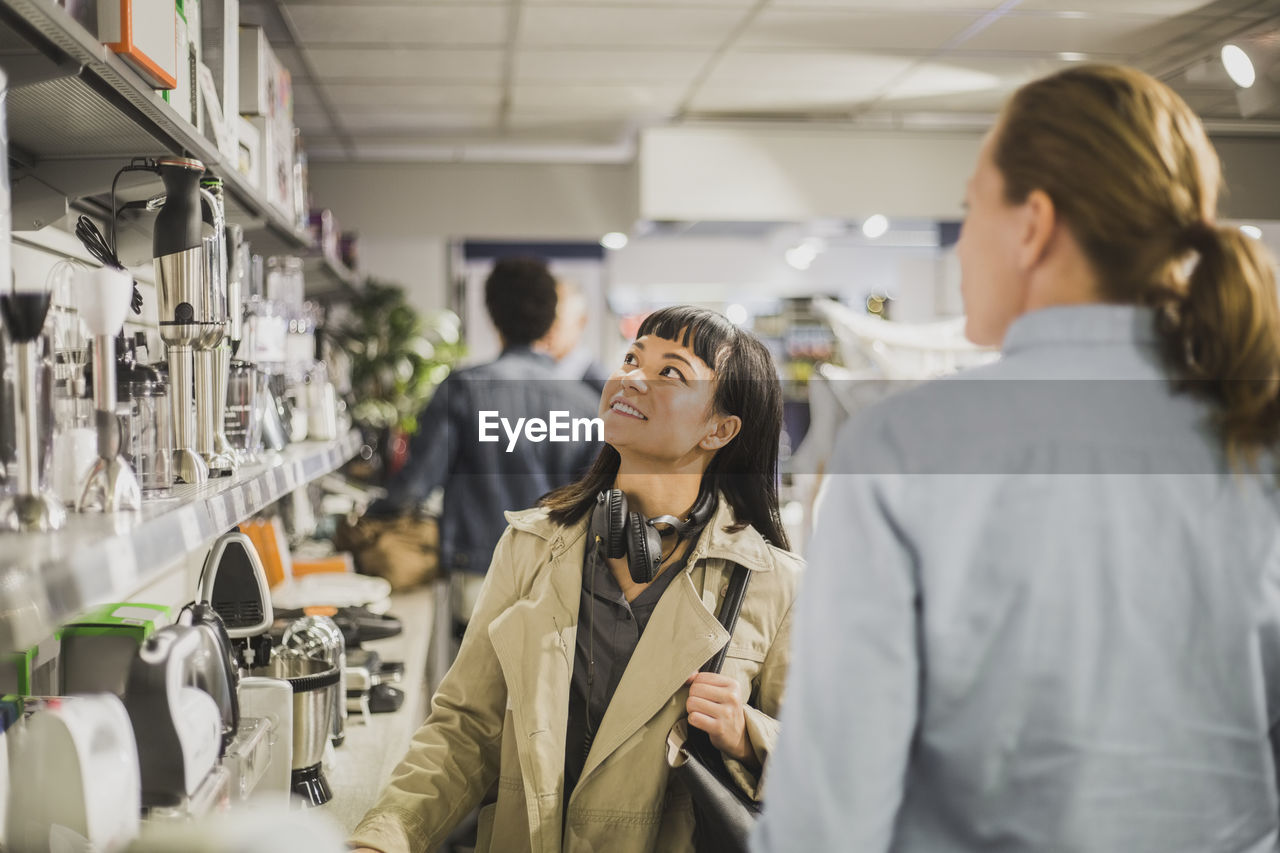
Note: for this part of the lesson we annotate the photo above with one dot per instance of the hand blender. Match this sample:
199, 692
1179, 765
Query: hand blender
182, 287
29, 509
233, 240
211, 365
102, 297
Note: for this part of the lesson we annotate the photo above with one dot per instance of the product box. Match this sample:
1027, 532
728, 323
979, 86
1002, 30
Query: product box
278, 167
185, 96
98, 647
144, 33
220, 51
257, 63
85, 12
249, 149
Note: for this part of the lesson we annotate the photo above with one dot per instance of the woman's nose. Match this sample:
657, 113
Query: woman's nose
634, 378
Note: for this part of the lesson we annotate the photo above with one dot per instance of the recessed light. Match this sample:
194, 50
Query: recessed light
614, 240
1252, 230
1239, 66
875, 227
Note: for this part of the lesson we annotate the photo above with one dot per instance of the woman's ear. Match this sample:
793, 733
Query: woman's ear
1040, 217
725, 430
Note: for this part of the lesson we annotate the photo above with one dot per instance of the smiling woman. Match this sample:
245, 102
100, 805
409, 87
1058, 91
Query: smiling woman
599, 610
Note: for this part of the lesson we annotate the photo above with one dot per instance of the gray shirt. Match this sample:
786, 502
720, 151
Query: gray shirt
1041, 614
609, 630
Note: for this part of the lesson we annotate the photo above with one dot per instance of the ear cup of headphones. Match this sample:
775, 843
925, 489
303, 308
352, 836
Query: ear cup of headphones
644, 549
612, 507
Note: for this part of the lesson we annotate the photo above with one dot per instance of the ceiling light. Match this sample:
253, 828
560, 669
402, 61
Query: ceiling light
801, 257
875, 226
1072, 56
1252, 230
1239, 66
736, 314
614, 240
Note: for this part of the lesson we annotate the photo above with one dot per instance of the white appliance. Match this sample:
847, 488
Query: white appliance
80, 785
272, 699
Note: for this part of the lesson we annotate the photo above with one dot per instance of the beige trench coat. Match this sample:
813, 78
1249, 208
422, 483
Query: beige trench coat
501, 713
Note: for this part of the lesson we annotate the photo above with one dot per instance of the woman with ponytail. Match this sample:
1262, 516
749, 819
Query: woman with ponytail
1043, 613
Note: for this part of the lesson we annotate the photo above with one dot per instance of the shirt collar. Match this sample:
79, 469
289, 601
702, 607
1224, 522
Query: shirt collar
1082, 324
526, 351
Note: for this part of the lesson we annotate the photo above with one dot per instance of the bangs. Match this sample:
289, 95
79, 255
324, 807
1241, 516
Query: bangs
704, 332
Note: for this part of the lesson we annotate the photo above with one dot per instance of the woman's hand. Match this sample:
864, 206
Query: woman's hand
715, 706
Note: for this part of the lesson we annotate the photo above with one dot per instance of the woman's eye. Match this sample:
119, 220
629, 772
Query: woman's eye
629, 358
674, 374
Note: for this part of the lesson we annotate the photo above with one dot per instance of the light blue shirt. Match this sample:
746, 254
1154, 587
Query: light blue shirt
1038, 616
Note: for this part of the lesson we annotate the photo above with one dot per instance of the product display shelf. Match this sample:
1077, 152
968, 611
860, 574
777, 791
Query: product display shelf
72, 102
326, 278
48, 577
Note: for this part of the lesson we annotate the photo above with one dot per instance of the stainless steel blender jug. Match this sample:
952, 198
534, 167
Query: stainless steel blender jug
185, 297
212, 354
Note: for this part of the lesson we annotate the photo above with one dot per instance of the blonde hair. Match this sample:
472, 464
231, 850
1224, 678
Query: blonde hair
1132, 173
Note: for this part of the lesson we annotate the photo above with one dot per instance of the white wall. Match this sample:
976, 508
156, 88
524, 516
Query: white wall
406, 213
795, 174
752, 271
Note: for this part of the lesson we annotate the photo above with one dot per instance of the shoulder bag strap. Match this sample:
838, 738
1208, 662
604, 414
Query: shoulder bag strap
729, 608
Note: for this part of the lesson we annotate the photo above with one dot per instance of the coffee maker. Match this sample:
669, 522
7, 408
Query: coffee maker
188, 314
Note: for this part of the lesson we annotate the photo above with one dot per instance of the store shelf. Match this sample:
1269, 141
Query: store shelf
77, 112
47, 577
327, 279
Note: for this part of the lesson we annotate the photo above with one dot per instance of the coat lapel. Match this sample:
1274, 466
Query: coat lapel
534, 642
681, 636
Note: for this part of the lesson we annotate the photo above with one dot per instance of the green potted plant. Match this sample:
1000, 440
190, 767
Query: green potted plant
397, 358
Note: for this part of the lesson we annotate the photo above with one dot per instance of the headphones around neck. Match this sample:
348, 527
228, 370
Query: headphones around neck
631, 535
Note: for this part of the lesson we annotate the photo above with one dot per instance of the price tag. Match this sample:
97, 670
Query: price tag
190, 527
122, 565
218, 509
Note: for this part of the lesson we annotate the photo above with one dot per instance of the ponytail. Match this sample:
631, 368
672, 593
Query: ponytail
1221, 337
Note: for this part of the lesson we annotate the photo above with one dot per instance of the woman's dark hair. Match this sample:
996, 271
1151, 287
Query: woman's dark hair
1131, 172
520, 294
746, 385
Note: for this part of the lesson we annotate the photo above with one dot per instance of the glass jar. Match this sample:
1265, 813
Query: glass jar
148, 436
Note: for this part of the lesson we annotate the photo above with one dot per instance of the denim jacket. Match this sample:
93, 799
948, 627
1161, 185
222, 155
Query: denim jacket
482, 479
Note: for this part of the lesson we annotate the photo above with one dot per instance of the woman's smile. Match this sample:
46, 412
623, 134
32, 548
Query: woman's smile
621, 407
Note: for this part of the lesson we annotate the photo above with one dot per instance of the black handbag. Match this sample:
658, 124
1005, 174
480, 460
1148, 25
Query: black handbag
723, 813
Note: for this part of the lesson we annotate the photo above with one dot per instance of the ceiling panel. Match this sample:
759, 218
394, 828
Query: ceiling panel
684, 4
849, 71
406, 64
454, 25
626, 26
615, 66
384, 121
354, 96
916, 6
799, 98
1165, 8
932, 82
597, 98
538, 124
304, 96
1128, 35
826, 30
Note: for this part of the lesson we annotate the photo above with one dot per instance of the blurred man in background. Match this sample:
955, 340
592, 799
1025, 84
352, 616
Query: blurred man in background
483, 479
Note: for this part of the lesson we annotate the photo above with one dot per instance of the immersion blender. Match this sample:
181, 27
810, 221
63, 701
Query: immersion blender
212, 356
29, 509
183, 289
102, 297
